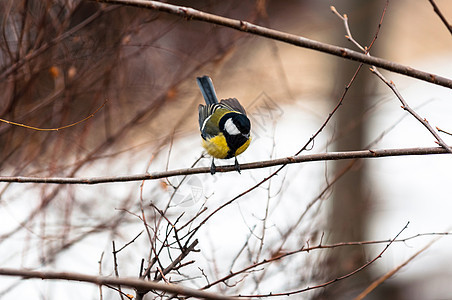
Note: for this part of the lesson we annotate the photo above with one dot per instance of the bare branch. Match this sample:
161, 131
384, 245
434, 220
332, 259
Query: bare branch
443, 131
411, 111
58, 128
281, 254
115, 262
335, 279
440, 15
383, 278
223, 169
192, 14
178, 260
391, 84
104, 280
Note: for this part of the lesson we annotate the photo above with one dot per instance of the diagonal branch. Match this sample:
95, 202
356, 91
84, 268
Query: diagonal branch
386, 276
281, 255
411, 111
193, 14
335, 279
440, 15
172, 266
178, 260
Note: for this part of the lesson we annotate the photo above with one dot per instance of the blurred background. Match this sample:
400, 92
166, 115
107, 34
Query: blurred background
61, 60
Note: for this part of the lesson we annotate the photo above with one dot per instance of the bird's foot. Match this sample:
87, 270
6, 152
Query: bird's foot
213, 169
237, 166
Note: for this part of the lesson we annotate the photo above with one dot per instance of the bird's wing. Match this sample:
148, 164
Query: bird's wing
207, 125
209, 119
233, 104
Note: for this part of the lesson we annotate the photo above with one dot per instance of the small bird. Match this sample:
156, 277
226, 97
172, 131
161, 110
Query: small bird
225, 128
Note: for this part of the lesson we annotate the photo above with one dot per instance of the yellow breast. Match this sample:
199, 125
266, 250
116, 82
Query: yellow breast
218, 147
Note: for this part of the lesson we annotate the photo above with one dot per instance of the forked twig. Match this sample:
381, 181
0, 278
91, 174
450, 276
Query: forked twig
392, 86
335, 279
411, 111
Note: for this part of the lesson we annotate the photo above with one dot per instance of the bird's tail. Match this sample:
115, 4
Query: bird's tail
206, 86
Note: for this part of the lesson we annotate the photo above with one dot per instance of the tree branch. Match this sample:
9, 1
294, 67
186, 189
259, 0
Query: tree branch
281, 254
231, 168
333, 280
178, 260
192, 14
386, 276
104, 280
411, 111
441, 16
391, 84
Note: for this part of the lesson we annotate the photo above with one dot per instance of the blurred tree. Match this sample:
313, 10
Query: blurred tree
351, 197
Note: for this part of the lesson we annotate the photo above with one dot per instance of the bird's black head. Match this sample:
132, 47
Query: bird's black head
235, 124
242, 122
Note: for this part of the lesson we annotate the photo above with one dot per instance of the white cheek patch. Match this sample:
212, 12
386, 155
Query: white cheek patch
230, 127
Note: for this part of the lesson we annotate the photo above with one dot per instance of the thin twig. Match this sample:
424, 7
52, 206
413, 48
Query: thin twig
284, 254
411, 111
391, 85
115, 262
178, 260
349, 35
385, 277
153, 256
58, 128
441, 16
100, 274
333, 280
443, 131
128, 243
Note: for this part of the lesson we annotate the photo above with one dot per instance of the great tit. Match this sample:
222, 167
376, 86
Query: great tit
225, 128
